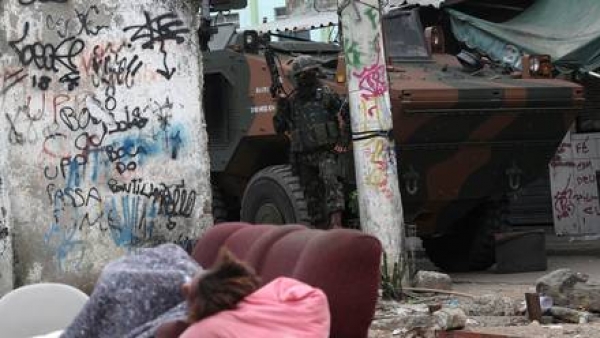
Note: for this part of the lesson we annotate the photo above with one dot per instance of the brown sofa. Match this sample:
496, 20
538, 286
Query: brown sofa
345, 264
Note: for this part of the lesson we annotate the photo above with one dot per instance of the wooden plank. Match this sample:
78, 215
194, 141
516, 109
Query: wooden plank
534, 310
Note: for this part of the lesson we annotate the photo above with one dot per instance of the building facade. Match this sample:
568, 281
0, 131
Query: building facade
256, 14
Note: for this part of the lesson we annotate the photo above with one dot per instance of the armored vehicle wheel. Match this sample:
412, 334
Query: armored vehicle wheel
448, 252
490, 219
219, 209
471, 248
274, 196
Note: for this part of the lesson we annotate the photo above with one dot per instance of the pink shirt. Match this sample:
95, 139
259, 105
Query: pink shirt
284, 308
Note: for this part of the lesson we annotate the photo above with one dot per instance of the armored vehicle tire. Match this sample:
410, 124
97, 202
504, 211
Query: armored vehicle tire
454, 253
473, 247
274, 195
449, 252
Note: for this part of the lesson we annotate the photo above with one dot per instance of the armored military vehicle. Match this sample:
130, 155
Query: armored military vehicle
467, 135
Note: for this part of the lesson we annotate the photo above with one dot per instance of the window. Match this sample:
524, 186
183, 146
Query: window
228, 18
404, 37
280, 13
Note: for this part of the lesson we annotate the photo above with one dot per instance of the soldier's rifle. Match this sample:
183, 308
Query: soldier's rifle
277, 88
276, 79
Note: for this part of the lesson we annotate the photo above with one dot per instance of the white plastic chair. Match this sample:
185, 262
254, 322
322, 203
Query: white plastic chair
38, 309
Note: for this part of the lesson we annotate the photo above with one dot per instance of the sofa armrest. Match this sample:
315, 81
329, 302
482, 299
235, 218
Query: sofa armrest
345, 264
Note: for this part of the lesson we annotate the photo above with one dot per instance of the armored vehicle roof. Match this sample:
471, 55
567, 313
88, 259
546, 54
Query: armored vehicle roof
305, 47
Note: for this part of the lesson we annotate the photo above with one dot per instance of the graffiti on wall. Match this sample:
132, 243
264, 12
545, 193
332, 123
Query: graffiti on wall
97, 143
574, 172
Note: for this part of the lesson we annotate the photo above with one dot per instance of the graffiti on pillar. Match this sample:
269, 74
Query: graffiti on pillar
352, 53
77, 103
377, 175
4, 231
367, 71
373, 86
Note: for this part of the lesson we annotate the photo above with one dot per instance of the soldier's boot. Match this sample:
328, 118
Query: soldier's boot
335, 220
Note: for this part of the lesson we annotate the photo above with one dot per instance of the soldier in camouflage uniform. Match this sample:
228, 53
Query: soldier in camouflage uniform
317, 124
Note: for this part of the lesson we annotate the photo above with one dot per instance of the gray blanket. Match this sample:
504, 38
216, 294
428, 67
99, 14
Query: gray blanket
136, 294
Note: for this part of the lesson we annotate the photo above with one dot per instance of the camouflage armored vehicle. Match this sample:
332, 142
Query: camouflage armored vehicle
466, 136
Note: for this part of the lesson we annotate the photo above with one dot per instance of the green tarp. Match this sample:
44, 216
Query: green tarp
567, 30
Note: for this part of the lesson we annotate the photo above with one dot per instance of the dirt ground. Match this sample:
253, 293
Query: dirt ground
513, 286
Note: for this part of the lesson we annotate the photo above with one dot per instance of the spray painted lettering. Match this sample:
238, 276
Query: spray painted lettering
163, 28
50, 57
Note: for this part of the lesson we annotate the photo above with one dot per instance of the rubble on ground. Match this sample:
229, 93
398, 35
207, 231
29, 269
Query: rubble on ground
449, 318
490, 305
567, 315
570, 289
568, 297
393, 315
432, 280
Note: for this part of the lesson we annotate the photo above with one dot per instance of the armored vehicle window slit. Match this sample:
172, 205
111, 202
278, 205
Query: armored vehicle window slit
404, 37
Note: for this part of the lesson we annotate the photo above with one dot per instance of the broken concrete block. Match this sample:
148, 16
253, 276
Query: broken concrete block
558, 281
567, 315
433, 280
406, 322
570, 289
450, 318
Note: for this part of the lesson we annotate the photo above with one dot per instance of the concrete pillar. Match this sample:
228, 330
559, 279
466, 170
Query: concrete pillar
103, 138
374, 151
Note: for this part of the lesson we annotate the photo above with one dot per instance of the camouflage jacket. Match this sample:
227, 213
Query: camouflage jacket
315, 122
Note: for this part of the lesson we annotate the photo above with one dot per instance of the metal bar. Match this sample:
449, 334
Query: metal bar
497, 6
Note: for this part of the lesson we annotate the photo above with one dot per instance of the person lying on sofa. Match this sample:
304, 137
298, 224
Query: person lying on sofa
285, 307
138, 293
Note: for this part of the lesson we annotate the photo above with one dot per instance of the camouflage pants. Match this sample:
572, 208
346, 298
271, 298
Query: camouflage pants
318, 172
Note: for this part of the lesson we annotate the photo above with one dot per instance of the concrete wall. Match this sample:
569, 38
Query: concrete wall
303, 6
103, 138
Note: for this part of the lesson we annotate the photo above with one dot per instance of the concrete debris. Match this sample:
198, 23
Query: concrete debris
496, 321
558, 280
472, 322
433, 280
405, 322
490, 305
567, 315
570, 289
450, 318
468, 334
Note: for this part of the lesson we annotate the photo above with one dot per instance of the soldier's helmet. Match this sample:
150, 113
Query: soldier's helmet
303, 63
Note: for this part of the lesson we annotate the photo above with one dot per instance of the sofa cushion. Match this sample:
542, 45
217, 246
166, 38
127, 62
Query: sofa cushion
259, 315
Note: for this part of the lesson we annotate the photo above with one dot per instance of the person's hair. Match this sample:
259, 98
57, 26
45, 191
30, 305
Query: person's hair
222, 287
